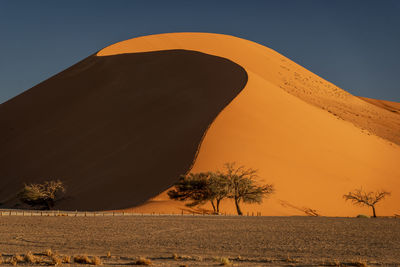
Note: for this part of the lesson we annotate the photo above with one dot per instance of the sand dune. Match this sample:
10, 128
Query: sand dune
313, 140
388, 105
118, 129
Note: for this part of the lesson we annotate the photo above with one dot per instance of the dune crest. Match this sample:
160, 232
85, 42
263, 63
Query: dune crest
313, 140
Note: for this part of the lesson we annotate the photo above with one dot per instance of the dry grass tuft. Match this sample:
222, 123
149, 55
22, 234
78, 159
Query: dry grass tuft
359, 263
13, 261
66, 259
30, 258
55, 260
83, 259
175, 256
96, 260
48, 252
225, 261
142, 261
16, 259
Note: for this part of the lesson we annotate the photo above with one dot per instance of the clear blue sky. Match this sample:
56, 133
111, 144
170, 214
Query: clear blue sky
354, 44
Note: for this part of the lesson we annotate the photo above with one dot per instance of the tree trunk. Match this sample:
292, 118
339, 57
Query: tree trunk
239, 212
213, 205
373, 211
218, 201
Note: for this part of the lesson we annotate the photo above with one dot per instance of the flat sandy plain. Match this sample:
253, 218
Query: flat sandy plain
201, 240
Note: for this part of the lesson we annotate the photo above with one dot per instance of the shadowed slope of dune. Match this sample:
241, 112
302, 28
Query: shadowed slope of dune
313, 140
117, 129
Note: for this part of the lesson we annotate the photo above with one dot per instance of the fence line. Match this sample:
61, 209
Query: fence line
58, 213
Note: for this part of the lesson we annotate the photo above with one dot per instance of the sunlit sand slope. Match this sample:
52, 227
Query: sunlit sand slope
388, 105
313, 140
117, 129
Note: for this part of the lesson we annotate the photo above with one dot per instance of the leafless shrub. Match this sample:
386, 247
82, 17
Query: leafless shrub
44, 194
361, 198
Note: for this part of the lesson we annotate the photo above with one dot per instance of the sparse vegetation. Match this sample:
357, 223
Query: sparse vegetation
200, 188
82, 259
243, 187
362, 198
142, 261
48, 252
225, 261
30, 258
55, 260
43, 195
237, 183
96, 260
66, 259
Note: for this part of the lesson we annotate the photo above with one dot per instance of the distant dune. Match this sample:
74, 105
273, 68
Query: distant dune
388, 105
311, 139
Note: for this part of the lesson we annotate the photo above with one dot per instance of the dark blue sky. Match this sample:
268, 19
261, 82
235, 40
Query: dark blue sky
354, 44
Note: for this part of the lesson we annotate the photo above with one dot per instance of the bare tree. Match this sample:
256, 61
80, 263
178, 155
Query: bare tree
362, 198
44, 194
243, 187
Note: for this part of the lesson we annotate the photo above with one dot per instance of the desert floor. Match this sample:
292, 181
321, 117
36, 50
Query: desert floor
204, 240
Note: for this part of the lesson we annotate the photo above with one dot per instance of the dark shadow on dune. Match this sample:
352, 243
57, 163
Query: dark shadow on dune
116, 129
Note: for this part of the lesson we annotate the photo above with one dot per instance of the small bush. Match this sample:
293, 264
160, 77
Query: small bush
55, 260
13, 261
16, 259
43, 195
66, 259
142, 261
362, 216
48, 252
225, 261
83, 259
30, 258
96, 260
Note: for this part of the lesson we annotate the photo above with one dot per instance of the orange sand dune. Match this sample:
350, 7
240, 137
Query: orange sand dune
388, 105
313, 140
121, 126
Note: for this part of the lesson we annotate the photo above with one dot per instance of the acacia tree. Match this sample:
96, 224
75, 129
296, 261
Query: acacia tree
243, 187
44, 194
219, 189
361, 198
199, 188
